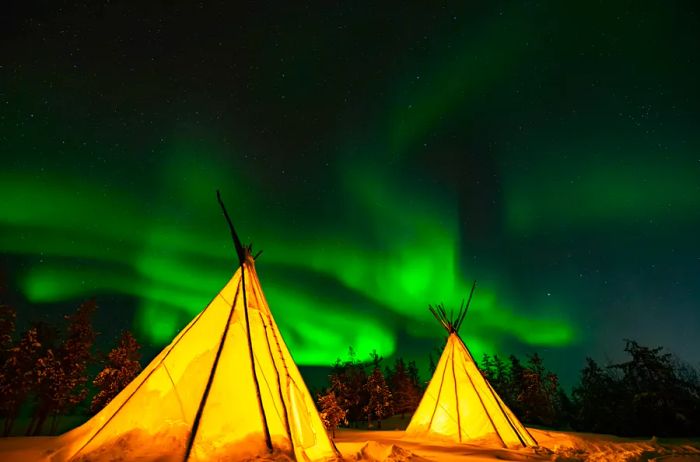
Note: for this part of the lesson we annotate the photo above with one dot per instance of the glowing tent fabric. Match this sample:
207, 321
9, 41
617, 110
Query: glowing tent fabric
459, 404
202, 398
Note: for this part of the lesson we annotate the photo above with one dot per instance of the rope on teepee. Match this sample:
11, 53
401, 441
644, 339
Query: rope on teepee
268, 438
210, 380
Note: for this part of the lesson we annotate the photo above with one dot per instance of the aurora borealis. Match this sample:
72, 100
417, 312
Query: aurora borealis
382, 159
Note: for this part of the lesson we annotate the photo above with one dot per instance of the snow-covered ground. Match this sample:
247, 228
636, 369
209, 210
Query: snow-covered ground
392, 446
27, 449
553, 446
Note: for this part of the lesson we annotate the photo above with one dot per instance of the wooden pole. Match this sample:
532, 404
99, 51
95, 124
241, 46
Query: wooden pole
236, 241
268, 439
210, 381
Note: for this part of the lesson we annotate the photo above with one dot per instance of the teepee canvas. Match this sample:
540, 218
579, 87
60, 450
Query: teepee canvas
226, 388
459, 404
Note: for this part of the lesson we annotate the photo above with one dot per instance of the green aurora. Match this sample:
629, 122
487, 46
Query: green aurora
173, 272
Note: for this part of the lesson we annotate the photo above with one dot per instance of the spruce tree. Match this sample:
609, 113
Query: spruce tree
18, 376
121, 367
63, 382
404, 391
539, 392
378, 405
8, 317
500, 378
415, 376
596, 400
348, 380
331, 412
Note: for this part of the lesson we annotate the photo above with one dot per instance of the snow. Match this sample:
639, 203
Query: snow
394, 446
373, 451
32, 448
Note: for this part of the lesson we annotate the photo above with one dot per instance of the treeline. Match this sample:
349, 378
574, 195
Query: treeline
365, 393
650, 394
44, 371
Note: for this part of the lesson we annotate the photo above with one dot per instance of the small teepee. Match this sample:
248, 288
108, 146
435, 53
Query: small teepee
226, 388
459, 404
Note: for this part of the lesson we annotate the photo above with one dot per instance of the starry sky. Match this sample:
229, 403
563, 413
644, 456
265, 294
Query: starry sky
381, 157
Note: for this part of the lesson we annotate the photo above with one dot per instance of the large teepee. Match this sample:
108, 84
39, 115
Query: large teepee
459, 404
226, 388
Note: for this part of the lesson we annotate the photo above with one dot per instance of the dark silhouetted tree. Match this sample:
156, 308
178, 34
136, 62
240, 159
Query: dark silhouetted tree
18, 376
331, 412
404, 389
514, 385
486, 366
51, 380
496, 372
8, 318
121, 367
348, 380
539, 391
415, 376
564, 410
379, 403
651, 394
658, 400
500, 375
597, 400
63, 381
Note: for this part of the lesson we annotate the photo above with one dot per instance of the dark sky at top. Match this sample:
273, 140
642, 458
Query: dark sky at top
383, 156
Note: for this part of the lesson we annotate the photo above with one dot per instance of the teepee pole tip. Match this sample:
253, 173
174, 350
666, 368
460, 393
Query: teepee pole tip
240, 251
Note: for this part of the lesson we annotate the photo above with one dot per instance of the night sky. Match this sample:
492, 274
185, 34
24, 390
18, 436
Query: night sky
382, 157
